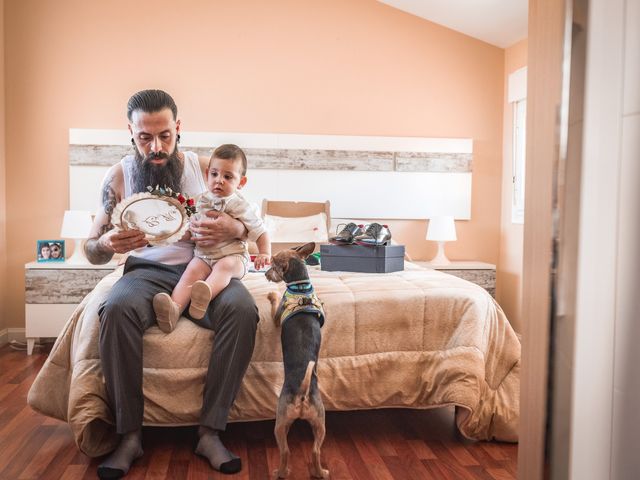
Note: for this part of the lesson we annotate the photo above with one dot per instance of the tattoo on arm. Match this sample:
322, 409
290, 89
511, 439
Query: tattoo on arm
108, 203
105, 228
108, 196
96, 253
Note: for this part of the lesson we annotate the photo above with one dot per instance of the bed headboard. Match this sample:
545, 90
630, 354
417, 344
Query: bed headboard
296, 209
363, 177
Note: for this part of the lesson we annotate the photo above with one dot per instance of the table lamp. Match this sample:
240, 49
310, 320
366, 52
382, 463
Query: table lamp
441, 229
77, 225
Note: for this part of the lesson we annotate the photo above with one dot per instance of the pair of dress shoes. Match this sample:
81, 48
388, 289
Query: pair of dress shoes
373, 235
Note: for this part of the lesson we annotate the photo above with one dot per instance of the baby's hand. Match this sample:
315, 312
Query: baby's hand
261, 260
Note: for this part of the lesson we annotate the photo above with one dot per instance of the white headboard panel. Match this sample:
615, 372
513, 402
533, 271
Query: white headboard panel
362, 177
84, 186
367, 194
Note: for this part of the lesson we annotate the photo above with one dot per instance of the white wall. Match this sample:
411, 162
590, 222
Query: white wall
626, 382
605, 430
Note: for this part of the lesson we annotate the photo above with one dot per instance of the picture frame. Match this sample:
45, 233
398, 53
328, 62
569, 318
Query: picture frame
50, 251
163, 219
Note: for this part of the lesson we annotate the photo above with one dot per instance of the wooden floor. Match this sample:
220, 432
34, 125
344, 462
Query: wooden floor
364, 445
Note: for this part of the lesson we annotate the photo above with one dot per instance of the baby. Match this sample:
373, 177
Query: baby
212, 268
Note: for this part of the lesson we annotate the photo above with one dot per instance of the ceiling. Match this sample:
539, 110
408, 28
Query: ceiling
498, 22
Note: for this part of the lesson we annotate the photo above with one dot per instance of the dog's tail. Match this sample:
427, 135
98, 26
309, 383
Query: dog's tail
306, 381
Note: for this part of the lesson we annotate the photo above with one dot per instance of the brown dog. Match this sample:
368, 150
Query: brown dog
301, 316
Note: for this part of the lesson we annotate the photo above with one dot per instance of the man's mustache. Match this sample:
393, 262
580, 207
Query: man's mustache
156, 156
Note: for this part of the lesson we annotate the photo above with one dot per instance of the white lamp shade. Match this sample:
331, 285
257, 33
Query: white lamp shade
76, 224
442, 229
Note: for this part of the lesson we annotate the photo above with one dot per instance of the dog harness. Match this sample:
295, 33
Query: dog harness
300, 297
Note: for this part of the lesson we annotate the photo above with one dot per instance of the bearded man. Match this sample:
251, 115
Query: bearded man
128, 310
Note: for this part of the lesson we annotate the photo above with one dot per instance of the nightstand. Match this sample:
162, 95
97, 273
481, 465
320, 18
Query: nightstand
480, 273
52, 293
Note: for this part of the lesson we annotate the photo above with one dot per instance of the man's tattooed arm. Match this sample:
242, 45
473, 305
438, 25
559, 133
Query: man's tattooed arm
109, 197
97, 252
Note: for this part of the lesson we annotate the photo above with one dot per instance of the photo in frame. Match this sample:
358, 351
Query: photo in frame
50, 251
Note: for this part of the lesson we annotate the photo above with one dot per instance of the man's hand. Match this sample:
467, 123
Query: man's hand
100, 250
122, 241
216, 227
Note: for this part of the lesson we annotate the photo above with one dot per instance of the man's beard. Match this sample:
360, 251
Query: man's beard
147, 174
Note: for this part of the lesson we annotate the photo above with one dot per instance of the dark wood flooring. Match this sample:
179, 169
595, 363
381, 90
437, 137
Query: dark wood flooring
364, 445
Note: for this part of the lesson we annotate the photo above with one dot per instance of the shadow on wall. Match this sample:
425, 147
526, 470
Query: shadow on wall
508, 295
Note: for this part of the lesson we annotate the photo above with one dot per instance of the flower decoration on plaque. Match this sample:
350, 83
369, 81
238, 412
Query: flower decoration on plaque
186, 201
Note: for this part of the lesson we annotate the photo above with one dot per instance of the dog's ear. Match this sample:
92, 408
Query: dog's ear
305, 250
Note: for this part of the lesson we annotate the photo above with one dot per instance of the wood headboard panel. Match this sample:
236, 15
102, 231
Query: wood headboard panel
362, 177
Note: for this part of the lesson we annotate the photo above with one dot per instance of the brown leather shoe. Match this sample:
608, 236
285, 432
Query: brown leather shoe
167, 312
200, 298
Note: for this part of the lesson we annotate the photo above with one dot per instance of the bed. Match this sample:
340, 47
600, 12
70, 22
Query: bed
415, 339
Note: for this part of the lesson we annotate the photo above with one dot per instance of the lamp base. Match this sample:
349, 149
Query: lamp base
440, 259
78, 257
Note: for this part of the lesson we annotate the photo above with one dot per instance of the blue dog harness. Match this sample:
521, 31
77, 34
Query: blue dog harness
300, 297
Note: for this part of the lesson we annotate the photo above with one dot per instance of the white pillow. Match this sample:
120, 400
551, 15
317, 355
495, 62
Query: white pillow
297, 229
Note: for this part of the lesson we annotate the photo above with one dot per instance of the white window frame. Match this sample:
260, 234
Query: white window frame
518, 98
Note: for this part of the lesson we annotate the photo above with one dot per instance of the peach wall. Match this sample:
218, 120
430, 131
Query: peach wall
509, 268
331, 67
3, 187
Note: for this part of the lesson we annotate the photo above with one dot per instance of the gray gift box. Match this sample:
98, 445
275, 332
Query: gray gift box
358, 258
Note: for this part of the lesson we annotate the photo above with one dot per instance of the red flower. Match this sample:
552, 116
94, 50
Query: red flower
181, 199
190, 202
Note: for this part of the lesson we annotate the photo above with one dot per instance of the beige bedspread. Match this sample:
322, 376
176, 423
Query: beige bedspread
417, 338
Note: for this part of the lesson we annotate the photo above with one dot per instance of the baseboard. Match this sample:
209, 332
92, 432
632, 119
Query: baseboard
8, 334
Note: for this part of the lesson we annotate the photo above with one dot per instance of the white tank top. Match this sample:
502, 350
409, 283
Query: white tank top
192, 184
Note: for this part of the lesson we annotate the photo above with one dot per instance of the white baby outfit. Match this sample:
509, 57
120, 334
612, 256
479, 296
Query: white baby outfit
237, 207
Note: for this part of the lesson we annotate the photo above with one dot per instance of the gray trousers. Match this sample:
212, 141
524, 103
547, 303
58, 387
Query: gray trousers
128, 312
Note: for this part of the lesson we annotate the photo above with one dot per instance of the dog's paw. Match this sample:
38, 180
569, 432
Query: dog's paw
323, 473
277, 474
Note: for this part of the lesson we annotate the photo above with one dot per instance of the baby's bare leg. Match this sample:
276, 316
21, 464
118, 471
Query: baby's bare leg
197, 269
223, 271
221, 274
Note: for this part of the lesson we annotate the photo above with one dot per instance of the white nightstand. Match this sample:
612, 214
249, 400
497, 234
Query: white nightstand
480, 273
52, 293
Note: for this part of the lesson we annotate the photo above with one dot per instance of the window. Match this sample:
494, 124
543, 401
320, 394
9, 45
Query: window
519, 153
518, 100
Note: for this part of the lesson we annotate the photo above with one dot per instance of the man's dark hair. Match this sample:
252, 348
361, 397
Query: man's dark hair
151, 101
229, 151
